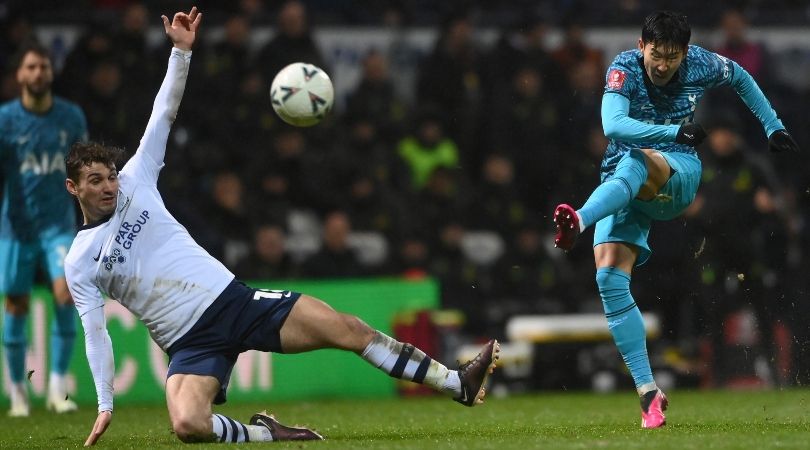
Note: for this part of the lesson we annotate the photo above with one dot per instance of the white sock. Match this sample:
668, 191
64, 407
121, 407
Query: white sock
452, 383
229, 430
647, 387
18, 394
406, 362
57, 385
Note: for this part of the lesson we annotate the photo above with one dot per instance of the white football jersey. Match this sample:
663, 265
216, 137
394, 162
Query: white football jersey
141, 256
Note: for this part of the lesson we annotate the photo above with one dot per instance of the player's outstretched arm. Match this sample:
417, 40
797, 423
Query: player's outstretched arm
183, 32
781, 141
183, 28
617, 123
102, 366
97, 343
102, 422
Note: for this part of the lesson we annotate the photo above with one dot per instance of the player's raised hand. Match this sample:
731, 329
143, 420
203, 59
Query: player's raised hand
183, 28
782, 141
102, 422
690, 134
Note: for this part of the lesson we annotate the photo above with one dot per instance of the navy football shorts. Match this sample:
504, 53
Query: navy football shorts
240, 319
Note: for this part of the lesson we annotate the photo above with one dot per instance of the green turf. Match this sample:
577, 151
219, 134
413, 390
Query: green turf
697, 420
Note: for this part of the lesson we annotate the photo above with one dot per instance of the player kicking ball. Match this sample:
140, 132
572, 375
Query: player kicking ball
651, 171
132, 249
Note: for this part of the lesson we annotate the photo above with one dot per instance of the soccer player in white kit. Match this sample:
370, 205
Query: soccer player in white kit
132, 249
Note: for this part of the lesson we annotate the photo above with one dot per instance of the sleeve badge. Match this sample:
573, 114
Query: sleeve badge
615, 79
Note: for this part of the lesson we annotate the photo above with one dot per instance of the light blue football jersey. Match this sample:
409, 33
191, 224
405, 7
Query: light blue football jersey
32, 157
673, 104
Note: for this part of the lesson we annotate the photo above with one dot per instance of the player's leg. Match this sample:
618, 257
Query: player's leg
620, 242
312, 324
15, 344
189, 398
17, 265
614, 263
63, 327
639, 174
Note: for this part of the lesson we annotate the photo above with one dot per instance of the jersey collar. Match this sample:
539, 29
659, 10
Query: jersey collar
90, 225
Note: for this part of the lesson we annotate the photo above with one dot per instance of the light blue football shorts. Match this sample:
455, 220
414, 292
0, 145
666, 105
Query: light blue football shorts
19, 259
632, 224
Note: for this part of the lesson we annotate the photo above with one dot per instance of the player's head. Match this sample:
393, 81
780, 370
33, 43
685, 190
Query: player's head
34, 71
664, 42
92, 178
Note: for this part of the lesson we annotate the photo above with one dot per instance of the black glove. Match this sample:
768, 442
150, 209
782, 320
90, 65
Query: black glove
691, 134
782, 141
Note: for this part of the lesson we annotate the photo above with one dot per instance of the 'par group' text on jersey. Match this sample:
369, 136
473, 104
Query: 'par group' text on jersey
674, 104
32, 155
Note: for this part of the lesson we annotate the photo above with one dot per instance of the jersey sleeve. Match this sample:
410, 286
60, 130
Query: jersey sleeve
98, 345
753, 97
86, 295
721, 71
620, 87
619, 78
99, 351
145, 165
617, 123
715, 70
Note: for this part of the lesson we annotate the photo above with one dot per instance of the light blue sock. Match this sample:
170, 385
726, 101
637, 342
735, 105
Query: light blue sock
617, 192
625, 322
63, 333
15, 342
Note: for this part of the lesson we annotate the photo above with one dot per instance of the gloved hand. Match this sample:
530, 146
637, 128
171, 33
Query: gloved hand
691, 134
782, 141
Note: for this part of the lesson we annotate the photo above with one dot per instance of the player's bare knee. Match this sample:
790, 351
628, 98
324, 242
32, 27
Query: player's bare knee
17, 306
658, 170
359, 333
189, 428
356, 326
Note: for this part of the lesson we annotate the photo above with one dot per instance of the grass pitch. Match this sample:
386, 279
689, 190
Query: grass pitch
697, 420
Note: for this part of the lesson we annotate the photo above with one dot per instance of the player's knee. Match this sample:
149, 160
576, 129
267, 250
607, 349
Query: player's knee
189, 428
356, 326
17, 306
612, 283
358, 334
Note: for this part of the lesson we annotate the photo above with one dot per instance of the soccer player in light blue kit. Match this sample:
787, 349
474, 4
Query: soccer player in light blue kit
651, 171
37, 223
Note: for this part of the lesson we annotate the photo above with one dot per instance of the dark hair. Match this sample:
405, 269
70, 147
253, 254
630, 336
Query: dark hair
666, 28
83, 154
29, 45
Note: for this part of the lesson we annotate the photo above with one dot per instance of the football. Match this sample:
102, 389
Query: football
302, 94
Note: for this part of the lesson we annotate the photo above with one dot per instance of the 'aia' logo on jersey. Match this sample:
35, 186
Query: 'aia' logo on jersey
44, 165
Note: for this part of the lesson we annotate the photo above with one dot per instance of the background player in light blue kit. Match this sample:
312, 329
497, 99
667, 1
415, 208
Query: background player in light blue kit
651, 171
38, 221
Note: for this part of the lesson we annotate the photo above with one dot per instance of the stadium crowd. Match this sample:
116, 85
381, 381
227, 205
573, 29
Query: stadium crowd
458, 181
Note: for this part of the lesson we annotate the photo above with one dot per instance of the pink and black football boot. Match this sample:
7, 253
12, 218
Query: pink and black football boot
567, 221
653, 405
